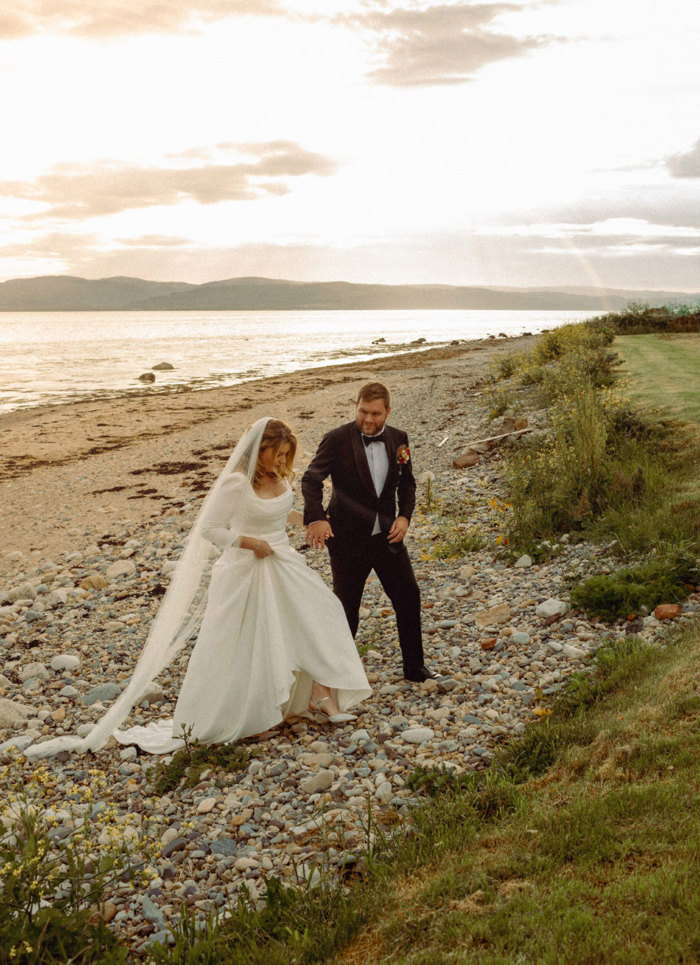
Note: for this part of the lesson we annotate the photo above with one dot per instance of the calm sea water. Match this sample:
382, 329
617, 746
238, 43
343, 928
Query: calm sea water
48, 357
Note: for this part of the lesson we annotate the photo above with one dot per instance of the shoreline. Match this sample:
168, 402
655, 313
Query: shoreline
69, 472
358, 356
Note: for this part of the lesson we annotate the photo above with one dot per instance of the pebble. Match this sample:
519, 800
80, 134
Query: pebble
417, 735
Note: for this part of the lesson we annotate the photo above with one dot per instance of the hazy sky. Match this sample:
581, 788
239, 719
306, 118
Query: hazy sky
516, 143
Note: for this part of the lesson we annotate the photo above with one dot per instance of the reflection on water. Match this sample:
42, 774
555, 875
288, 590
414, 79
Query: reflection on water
67, 356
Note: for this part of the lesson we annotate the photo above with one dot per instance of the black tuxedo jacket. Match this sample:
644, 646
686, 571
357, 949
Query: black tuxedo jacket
354, 503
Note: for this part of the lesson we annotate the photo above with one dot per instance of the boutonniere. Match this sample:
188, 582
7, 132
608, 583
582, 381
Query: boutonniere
403, 455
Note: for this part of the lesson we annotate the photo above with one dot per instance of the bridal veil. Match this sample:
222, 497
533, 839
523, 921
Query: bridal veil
179, 614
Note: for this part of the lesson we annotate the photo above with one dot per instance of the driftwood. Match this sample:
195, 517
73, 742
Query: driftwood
469, 456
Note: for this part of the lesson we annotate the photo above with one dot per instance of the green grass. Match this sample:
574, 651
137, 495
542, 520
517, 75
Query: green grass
608, 469
579, 844
662, 373
665, 579
187, 765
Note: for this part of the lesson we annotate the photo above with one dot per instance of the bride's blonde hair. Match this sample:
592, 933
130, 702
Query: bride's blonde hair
275, 434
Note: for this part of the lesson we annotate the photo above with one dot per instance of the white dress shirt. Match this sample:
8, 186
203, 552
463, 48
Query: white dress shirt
378, 462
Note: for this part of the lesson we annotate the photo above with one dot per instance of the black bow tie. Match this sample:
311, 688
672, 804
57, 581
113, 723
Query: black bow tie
369, 439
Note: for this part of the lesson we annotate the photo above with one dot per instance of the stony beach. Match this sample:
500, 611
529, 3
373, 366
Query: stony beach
97, 499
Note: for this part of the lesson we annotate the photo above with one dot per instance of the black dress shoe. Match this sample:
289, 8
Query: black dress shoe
419, 675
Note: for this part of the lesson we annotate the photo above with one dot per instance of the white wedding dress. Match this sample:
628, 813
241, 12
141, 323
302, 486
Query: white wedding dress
271, 626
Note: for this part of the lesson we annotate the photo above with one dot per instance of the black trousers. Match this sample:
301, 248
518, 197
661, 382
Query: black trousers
351, 564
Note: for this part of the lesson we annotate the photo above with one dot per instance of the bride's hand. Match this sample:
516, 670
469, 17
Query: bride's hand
263, 549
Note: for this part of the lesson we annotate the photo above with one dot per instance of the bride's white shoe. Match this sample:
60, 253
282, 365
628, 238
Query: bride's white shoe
333, 718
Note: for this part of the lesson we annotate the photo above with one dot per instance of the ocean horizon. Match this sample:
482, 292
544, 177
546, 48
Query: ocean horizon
59, 357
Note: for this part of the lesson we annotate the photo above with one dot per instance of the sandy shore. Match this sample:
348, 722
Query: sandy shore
71, 471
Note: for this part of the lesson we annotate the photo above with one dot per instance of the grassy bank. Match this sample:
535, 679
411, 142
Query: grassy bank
606, 467
592, 859
579, 844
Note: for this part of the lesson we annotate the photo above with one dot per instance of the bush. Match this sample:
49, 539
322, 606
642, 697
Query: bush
187, 764
663, 580
641, 319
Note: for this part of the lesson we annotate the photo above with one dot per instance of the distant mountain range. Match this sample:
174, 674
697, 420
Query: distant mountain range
66, 293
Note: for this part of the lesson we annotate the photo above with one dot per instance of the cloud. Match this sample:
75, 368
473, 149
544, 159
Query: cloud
687, 164
614, 237
439, 44
107, 187
114, 18
155, 241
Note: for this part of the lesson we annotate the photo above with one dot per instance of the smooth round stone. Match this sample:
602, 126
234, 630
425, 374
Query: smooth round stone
417, 735
106, 691
384, 792
520, 637
65, 661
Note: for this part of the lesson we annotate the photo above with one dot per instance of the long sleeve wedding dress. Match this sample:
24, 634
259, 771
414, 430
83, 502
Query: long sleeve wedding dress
271, 627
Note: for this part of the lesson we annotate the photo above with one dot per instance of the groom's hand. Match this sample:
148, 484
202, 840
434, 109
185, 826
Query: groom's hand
398, 530
317, 533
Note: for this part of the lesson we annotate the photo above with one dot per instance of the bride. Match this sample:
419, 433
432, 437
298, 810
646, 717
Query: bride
273, 639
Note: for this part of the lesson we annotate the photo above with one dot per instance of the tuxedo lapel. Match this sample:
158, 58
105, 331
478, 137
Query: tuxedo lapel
361, 463
390, 481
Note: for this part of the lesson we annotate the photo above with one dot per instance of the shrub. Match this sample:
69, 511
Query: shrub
662, 580
187, 764
641, 319
506, 365
499, 401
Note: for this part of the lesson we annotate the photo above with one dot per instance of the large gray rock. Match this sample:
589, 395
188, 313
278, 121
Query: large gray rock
121, 568
493, 616
551, 608
65, 661
33, 670
417, 735
12, 714
18, 743
317, 782
57, 597
106, 691
25, 591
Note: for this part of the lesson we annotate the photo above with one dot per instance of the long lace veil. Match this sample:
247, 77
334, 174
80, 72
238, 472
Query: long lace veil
179, 614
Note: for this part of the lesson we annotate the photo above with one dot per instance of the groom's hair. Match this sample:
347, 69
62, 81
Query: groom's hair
372, 391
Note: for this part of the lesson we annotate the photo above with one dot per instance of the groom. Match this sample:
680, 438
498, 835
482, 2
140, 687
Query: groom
369, 464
